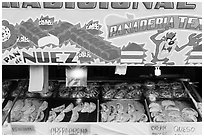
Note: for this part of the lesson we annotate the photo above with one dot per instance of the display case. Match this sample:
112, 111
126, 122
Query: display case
65, 72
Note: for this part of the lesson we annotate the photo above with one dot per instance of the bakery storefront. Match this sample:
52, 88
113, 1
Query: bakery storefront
93, 68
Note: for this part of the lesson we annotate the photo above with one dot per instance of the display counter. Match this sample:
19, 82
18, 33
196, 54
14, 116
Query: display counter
97, 68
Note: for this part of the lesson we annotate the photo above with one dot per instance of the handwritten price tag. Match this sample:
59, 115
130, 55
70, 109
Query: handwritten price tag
23, 129
191, 128
70, 130
161, 128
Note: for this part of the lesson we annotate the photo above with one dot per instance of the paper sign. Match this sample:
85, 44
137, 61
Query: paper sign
187, 129
121, 70
6, 129
70, 130
36, 78
76, 77
160, 128
23, 129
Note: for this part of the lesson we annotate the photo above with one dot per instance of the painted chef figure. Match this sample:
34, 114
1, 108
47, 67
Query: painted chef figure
168, 43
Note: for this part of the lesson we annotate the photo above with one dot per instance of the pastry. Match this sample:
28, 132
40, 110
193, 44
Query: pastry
69, 108
165, 93
40, 116
5, 88
75, 116
59, 109
64, 91
190, 111
163, 84
85, 108
120, 94
153, 104
149, 85
52, 116
167, 103
60, 117
134, 94
8, 106
92, 107
172, 107
109, 94
179, 93
122, 111
171, 112
176, 85
43, 106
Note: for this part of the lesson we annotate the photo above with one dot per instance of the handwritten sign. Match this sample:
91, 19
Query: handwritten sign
160, 129
23, 129
185, 129
70, 130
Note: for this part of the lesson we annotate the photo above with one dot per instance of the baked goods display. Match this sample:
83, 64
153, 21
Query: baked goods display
120, 102
5, 87
6, 108
172, 111
122, 91
91, 91
28, 110
165, 90
52, 85
72, 112
21, 88
123, 111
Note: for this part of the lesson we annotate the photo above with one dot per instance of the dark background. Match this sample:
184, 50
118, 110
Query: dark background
108, 73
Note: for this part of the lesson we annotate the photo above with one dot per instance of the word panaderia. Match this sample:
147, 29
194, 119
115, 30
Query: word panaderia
155, 23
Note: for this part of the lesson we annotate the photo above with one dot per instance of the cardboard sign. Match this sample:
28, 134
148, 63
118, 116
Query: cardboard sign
72, 129
23, 129
160, 128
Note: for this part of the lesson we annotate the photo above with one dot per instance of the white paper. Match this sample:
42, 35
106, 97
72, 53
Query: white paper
121, 70
36, 78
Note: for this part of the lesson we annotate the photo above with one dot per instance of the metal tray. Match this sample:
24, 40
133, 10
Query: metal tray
186, 101
40, 99
83, 117
142, 101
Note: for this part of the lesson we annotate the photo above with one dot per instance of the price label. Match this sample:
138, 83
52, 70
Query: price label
187, 128
161, 128
70, 130
23, 129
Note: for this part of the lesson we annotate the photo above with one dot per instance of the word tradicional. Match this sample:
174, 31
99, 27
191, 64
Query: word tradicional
100, 5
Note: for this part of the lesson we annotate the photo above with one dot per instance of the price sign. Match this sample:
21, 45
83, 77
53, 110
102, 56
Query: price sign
72, 129
23, 129
192, 128
160, 128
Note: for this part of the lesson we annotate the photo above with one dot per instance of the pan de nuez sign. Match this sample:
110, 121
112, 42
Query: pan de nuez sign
114, 33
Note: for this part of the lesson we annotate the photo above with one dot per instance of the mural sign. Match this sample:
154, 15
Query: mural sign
102, 33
